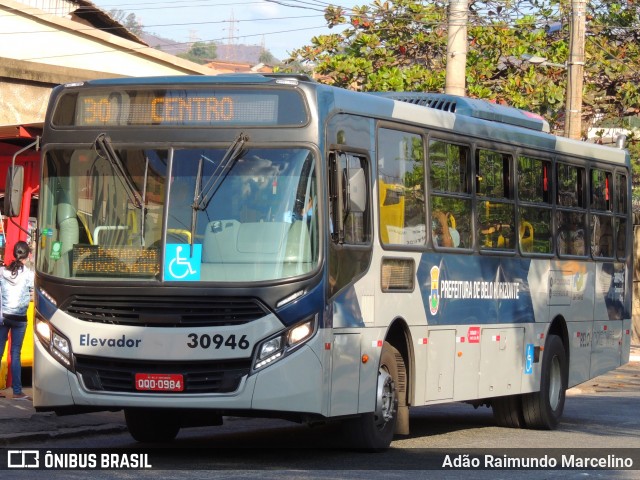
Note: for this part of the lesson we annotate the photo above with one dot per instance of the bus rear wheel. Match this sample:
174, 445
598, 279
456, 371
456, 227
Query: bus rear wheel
507, 411
374, 431
543, 409
151, 426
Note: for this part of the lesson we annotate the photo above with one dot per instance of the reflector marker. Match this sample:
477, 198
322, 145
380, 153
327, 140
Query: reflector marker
377, 344
423, 341
460, 339
495, 338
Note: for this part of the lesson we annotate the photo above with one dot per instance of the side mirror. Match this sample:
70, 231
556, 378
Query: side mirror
13, 191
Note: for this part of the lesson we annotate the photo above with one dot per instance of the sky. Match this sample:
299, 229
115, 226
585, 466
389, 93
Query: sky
280, 25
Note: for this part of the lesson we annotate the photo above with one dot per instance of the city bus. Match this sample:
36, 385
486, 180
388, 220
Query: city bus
221, 246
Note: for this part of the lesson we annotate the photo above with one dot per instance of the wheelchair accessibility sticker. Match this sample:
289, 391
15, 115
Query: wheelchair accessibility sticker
178, 265
529, 358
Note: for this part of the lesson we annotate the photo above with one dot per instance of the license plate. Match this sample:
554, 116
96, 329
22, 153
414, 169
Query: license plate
159, 382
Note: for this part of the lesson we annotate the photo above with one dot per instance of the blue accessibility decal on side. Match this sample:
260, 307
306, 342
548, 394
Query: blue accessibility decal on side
529, 355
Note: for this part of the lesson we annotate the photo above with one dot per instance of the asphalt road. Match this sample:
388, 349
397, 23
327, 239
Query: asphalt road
600, 415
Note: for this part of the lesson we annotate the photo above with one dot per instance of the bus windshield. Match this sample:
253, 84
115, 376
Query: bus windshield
178, 214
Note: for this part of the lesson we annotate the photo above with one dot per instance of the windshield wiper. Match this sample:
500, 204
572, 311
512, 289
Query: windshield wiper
103, 142
233, 153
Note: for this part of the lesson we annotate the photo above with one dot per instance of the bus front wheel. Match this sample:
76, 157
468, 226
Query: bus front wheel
543, 409
374, 431
151, 426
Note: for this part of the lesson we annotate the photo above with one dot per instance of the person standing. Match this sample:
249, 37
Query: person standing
16, 282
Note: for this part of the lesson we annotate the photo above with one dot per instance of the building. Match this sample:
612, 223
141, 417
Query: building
223, 66
44, 43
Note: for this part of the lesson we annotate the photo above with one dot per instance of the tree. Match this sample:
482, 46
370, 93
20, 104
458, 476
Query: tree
387, 47
401, 45
201, 52
267, 58
129, 21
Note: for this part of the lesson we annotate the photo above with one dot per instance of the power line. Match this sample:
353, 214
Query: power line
152, 48
478, 22
91, 29
40, 12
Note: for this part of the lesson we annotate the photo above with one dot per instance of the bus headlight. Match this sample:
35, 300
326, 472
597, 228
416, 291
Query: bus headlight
284, 343
56, 344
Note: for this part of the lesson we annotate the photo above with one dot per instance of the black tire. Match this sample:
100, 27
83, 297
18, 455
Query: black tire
374, 431
151, 426
507, 411
542, 410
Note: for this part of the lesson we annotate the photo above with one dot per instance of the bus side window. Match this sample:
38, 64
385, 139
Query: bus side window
534, 195
450, 195
440, 230
496, 216
496, 226
571, 233
349, 219
571, 214
525, 235
401, 187
620, 210
350, 223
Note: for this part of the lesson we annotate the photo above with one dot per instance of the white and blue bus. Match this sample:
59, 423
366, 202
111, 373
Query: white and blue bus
251, 245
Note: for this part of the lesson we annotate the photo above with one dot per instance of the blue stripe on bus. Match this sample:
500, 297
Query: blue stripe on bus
464, 289
616, 298
307, 305
44, 306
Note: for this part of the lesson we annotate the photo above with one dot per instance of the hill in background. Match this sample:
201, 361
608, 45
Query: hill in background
231, 53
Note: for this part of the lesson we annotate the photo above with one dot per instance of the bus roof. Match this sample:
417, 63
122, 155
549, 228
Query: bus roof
475, 117
473, 108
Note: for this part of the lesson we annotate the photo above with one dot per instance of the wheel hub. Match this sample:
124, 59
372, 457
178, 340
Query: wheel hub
385, 398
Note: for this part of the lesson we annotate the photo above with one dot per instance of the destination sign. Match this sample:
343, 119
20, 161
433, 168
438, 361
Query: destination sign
182, 107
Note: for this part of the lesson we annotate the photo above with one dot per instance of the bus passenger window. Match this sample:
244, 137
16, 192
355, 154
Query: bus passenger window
525, 235
570, 186
444, 234
621, 194
401, 188
571, 233
533, 179
496, 225
601, 185
534, 230
449, 171
493, 174
602, 240
621, 245
451, 222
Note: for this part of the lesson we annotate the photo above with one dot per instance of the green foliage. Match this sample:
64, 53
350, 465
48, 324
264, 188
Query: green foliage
401, 45
267, 58
201, 52
387, 46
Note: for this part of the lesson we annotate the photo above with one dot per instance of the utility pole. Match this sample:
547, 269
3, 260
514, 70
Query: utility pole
575, 78
231, 42
455, 80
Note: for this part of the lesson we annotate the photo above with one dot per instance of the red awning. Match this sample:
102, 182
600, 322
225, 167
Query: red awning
11, 132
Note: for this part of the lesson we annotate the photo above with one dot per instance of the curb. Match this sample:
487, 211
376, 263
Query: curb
72, 432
